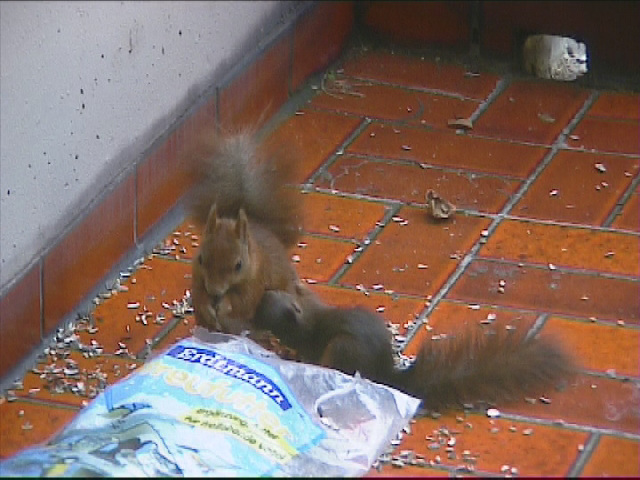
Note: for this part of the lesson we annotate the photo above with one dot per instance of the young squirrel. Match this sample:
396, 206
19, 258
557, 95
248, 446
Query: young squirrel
471, 367
250, 218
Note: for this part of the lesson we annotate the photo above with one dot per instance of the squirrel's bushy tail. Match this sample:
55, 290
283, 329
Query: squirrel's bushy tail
483, 367
236, 172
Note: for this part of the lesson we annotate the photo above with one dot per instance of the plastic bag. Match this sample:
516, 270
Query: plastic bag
221, 405
554, 57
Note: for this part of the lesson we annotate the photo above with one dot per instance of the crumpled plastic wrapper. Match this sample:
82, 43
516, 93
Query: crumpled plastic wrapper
554, 57
221, 405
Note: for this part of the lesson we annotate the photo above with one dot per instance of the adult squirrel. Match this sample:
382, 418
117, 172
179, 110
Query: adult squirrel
470, 367
250, 218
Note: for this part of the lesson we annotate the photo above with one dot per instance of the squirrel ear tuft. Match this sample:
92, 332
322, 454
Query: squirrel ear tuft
242, 225
212, 219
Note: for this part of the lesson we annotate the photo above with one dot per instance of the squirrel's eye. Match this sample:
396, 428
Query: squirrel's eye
238, 265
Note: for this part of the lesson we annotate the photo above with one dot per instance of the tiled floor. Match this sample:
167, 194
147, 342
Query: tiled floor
546, 184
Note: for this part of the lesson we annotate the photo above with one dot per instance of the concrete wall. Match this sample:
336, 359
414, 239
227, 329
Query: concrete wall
85, 88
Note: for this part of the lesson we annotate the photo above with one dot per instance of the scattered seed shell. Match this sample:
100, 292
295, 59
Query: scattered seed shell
493, 413
464, 123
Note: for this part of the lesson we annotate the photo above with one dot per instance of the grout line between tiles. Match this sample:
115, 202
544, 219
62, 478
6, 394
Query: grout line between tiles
570, 426
435, 299
516, 197
555, 147
578, 271
501, 86
140, 250
399, 86
624, 198
593, 151
584, 226
589, 447
361, 196
612, 374
390, 212
393, 201
158, 337
429, 166
47, 403
339, 151
537, 325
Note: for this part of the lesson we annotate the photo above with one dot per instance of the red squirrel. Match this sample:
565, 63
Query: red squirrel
250, 218
470, 367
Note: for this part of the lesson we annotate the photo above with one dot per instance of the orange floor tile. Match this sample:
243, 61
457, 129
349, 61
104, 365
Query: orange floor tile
545, 238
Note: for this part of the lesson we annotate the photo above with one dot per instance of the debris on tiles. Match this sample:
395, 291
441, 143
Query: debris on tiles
463, 123
438, 207
493, 413
600, 167
546, 118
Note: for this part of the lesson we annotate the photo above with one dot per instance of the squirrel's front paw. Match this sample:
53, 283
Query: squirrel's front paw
223, 307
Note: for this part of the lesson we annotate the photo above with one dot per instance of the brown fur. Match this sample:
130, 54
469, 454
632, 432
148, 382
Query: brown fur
472, 366
250, 216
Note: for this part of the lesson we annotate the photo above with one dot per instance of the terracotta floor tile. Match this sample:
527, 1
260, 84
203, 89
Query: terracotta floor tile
597, 346
182, 329
46, 421
594, 308
86, 254
413, 72
399, 310
531, 111
408, 471
415, 258
606, 135
314, 136
333, 21
157, 281
114, 367
454, 318
21, 323
318, 259
570, 188
158, 183
614, 457
629, 218
448, 149
410, 183
182, 243
420, 24
616, 105
259, 91
340, 217
545, 290
391, 103
550, 451
564, 246
589, 401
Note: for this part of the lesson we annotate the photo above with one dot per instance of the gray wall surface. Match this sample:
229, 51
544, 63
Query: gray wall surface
85, 88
